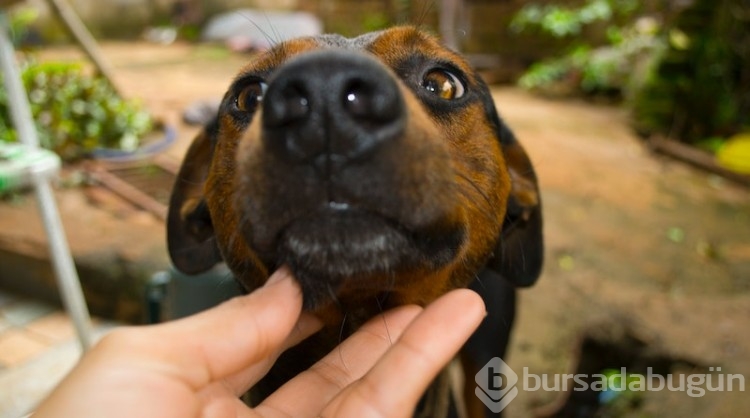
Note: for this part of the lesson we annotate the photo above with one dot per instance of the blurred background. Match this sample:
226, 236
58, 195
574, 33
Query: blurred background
636, 114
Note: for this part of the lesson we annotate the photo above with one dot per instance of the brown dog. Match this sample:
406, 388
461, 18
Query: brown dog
378, 170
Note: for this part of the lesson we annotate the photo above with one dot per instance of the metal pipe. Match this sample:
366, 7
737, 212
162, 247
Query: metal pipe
62, 260
67, 277
20, 112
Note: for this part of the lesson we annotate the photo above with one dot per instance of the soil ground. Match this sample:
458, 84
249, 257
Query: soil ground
645, 257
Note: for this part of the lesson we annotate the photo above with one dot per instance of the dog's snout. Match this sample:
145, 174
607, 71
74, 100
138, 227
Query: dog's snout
330, 108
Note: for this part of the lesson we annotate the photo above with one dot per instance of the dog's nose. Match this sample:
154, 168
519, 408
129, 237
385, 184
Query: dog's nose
331, 108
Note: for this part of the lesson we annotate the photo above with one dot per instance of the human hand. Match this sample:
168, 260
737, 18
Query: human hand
198, 366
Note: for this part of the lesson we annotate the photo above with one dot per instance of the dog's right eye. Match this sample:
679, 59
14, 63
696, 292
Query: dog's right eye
443, 84
250, 96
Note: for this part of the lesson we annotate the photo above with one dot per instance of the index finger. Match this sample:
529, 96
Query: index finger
394, 385
221, 341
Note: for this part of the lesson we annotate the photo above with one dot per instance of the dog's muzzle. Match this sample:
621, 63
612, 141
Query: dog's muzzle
340, 182
329, 109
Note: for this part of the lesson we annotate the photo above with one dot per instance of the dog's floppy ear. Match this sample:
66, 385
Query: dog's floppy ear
519, 254
190, 235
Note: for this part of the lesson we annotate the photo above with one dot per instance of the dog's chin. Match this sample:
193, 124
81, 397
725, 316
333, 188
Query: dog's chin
357, 253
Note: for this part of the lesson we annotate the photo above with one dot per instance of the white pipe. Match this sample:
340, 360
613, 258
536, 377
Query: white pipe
62, 260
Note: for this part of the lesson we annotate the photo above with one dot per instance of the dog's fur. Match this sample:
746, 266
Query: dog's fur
379, 171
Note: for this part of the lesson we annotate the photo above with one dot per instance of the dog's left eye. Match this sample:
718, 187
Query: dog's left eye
444, 84
251, 96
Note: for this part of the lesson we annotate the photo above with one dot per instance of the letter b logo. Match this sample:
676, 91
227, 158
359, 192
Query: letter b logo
496, 385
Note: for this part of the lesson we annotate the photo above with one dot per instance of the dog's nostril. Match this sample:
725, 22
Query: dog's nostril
289, 105
371, 102
358, 100
297, 105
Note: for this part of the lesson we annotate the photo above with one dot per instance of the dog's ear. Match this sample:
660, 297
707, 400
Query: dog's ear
190, 235
519, 254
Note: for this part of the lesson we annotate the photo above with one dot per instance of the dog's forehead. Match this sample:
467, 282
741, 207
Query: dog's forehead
391, 46
361, 42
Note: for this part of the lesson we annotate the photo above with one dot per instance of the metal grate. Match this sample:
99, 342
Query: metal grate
146, 184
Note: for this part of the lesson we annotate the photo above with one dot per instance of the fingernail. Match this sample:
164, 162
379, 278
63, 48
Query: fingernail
279, 276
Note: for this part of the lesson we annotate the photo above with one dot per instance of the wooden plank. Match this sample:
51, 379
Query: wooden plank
130, 193
695, 157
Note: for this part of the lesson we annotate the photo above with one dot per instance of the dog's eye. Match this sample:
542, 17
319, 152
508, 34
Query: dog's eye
250, 96
444, 84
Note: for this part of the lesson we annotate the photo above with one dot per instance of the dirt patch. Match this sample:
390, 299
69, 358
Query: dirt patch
636, 244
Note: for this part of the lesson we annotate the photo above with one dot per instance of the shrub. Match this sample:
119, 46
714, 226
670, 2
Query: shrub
75, 113
614, 68
700, 93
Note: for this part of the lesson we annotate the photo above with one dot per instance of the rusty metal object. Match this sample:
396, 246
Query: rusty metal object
145, 184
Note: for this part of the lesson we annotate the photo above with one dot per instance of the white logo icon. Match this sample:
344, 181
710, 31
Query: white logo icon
496, 385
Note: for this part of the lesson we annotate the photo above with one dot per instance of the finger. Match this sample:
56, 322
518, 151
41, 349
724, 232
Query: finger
226, 405
218, 342
242, 381
219, 397
394, 385
313, 389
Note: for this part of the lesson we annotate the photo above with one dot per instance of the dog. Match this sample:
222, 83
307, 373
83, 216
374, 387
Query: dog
378, 169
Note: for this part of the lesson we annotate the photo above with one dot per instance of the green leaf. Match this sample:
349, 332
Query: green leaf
75, 113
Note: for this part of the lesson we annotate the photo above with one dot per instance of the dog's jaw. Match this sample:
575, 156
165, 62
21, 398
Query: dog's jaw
361, 252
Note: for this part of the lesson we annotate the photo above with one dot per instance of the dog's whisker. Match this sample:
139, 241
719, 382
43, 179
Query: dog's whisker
522, 255
528, 171
334, 297
485, 209
426, 10
385, 322
510, 224
275, 32
190, 182
476, 188
342, 328
270, 39
467, 193
479, 280
342, 333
